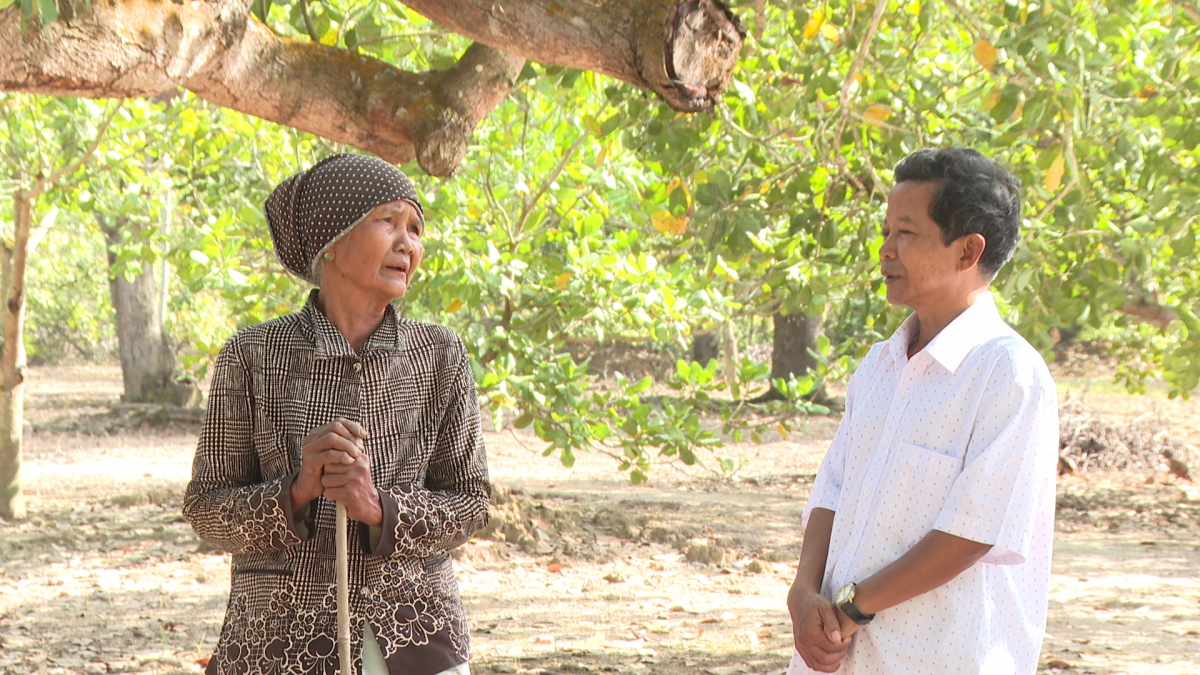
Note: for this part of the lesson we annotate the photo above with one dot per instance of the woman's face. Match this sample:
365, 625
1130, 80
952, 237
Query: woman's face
378, 258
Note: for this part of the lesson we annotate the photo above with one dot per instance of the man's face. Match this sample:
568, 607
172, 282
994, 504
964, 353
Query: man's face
920, 270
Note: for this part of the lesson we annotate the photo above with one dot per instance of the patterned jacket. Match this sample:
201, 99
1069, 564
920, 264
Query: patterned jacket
411, 388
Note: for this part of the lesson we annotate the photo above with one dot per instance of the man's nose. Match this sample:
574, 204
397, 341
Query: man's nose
888, 250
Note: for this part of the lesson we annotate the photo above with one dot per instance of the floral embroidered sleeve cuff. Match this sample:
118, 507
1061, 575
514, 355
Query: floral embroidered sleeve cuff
381, 541
303, 522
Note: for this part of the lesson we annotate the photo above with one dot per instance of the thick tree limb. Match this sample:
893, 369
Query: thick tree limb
217, 50
683, 49
1149, 311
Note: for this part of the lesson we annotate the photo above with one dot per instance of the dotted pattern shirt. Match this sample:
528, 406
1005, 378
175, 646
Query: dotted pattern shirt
962, 438
411, 388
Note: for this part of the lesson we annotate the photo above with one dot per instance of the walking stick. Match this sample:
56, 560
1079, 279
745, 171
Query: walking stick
343, 592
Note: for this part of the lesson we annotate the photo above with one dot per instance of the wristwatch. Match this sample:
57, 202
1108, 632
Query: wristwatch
845, 602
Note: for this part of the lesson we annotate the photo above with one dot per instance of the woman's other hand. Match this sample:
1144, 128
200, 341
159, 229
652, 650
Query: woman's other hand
339, 443
351, 484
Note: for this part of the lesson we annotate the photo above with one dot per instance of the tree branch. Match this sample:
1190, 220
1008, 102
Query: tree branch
844, 96
217, 50
545, 186
87, 155
308, 22
1148, 311
684, 50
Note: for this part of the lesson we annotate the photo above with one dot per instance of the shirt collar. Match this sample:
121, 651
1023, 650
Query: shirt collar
328, 341
976, 325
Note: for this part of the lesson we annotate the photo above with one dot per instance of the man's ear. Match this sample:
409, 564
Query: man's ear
970, 251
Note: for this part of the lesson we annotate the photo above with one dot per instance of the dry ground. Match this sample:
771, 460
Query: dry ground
105, 576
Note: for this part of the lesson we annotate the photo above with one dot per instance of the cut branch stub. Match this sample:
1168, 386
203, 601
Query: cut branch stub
215, 49
685, 50
703, 42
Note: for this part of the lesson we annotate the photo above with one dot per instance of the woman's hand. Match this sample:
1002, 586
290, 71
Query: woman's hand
351, 484
339, 444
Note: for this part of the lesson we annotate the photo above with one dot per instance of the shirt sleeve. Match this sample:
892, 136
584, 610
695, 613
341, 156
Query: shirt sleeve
827, 487
452, 504
227, 502
1009, 468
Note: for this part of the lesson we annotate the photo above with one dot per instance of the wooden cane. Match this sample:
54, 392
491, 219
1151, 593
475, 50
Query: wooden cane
343, 592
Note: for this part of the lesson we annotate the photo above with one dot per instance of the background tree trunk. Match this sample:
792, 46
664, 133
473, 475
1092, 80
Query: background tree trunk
12, 362
706, 347
147, 361
794, 336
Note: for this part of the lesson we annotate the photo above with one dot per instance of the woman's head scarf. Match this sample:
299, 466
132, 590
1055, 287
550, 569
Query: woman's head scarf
310, 211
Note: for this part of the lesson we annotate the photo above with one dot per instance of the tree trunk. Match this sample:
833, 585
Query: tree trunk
683, 49
706, 347
147, 361
794, 336
12, 363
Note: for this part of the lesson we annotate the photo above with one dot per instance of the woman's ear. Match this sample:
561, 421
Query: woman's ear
972, 249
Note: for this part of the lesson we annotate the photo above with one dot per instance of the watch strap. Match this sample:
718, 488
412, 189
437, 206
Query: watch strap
851, 610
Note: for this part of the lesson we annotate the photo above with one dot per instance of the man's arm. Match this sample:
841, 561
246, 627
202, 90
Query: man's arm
1009, 467
934, 561
815, 626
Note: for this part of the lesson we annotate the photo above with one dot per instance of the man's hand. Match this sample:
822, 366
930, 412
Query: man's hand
847, 625
338, 443
351, 484
817, 631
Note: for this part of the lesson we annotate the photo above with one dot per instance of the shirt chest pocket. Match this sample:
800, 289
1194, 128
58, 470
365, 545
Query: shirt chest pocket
918, 484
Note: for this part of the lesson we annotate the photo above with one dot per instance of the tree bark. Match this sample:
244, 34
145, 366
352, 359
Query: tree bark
216, 49
147, 361
1148, 310
706, 347
12, 362
683, 49
794, 336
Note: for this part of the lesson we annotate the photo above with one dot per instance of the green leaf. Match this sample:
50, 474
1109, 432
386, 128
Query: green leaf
1010, 98
47, 11
641, 385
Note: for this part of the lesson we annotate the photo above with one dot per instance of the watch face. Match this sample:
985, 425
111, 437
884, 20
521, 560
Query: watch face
846, 594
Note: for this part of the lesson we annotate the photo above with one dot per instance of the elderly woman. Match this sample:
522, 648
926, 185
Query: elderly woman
343, 401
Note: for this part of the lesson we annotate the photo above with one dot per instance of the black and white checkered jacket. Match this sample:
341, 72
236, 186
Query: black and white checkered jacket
411, 388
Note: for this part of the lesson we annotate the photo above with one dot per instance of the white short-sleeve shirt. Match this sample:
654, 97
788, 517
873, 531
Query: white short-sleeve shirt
962, 438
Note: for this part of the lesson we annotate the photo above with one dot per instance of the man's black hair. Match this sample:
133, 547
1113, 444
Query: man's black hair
976, 195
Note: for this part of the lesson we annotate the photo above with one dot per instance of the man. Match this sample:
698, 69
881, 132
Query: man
929, 529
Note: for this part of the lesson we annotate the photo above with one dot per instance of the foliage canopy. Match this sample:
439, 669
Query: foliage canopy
588, 212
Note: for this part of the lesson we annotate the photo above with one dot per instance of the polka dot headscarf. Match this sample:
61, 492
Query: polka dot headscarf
310, 211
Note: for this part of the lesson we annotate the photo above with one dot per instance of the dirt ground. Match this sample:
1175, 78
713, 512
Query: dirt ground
684, 575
